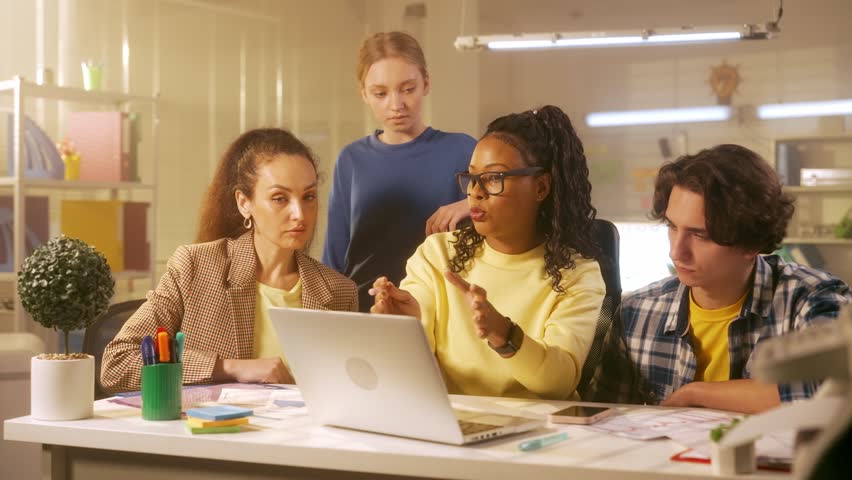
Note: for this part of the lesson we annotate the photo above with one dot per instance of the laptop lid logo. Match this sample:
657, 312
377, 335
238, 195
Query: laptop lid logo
362, 373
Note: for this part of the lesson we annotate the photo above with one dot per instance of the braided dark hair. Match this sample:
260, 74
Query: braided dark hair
546, 138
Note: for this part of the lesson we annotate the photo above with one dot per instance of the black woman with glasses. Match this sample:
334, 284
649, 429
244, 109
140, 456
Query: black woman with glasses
509, 303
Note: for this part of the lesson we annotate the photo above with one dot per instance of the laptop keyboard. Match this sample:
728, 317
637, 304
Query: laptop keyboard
470, 428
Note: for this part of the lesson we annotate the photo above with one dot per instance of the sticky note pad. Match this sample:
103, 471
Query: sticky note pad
228, 429
219, 412
201, 423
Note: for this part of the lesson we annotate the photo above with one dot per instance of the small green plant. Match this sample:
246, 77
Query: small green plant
844, 228
717, 433
65, 285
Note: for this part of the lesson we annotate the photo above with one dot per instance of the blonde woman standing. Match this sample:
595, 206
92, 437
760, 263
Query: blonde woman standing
396, 186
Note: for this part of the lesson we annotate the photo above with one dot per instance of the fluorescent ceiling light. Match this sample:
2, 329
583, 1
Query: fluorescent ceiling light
805, 109
654, 117
659, 36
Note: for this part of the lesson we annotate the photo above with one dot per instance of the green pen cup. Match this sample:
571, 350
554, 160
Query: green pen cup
161, 391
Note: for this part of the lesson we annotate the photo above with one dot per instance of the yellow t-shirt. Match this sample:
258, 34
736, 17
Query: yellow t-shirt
710, 339
559, 327
265, 341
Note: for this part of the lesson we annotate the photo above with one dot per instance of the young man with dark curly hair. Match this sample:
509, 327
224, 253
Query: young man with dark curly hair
692, 335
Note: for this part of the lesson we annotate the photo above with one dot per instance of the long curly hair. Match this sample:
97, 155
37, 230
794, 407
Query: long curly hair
237, 170
545, 138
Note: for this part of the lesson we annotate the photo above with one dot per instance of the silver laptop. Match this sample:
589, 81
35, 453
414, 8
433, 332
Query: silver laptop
376, 373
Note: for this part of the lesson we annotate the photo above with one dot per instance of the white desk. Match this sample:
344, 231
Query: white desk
118, 444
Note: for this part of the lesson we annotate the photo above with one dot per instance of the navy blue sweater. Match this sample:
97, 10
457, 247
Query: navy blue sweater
381, 197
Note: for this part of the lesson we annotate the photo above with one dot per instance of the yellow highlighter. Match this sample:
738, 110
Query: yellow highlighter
163, 347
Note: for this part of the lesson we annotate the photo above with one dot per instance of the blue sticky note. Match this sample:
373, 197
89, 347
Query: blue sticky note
219, 412
289, 403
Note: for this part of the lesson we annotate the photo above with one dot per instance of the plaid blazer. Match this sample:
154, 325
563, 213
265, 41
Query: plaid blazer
209, 292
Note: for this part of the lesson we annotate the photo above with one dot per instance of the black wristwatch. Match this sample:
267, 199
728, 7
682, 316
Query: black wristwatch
513, 343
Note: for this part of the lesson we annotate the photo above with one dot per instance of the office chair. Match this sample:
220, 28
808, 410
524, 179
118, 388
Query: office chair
607, 237
100, 333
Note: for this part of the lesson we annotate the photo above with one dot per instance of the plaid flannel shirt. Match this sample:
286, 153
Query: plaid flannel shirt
785, 297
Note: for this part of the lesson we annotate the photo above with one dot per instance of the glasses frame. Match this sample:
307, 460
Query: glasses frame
476, 178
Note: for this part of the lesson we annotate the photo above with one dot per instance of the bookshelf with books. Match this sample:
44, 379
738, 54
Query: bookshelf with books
817, 172
109, 200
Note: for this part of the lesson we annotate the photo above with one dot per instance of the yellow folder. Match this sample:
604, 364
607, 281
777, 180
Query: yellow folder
98, 223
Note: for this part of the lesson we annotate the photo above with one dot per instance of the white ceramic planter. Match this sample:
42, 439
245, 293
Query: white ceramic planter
62, 389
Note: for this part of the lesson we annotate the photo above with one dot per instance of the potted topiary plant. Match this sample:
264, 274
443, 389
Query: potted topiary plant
64, 285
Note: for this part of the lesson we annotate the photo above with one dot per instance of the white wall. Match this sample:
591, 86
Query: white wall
225, 66
808, 61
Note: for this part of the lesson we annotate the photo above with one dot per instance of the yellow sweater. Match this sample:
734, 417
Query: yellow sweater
559, 328
265, 340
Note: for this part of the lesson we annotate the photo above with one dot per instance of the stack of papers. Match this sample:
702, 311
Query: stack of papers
691, 428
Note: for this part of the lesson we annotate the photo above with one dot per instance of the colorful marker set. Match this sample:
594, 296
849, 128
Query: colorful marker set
162, 349
218, 419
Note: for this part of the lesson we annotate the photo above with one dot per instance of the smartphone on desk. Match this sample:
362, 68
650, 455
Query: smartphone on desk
580, 415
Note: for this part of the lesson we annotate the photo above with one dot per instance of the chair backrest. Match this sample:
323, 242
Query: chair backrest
100, 333
606, 235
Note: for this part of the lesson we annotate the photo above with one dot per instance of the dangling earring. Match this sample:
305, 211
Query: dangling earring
247, 223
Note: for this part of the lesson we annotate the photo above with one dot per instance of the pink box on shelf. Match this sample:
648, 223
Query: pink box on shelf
103, 141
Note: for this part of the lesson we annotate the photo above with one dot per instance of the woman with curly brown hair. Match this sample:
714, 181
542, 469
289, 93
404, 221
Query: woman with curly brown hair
256, 221
509, 303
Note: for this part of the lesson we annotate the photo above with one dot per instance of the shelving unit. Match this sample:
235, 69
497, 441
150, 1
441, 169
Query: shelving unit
22, 92
818, 206
817, 241
820, 189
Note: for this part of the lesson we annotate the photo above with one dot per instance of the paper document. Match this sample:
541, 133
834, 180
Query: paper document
192, 395
282, 404
647, 424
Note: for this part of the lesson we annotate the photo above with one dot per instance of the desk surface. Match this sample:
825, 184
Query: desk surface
296, 442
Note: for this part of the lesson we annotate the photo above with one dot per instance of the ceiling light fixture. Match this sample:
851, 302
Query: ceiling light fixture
805, 109
647, 36
659, 116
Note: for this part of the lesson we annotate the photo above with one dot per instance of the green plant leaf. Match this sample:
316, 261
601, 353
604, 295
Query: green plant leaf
65, 284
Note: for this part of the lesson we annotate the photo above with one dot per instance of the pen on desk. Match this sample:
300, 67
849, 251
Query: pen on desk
148, 355
180, 337
535, 444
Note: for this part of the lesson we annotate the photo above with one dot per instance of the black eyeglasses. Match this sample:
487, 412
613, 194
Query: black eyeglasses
492, 182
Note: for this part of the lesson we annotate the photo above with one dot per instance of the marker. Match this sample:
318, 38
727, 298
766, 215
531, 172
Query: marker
163, 346
173, 350
535, 444
149, 357
156, 343
180, 337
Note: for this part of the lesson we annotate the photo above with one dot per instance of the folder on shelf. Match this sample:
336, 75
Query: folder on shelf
137, 249
37, 232
103, 140
98, 223
40, 156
